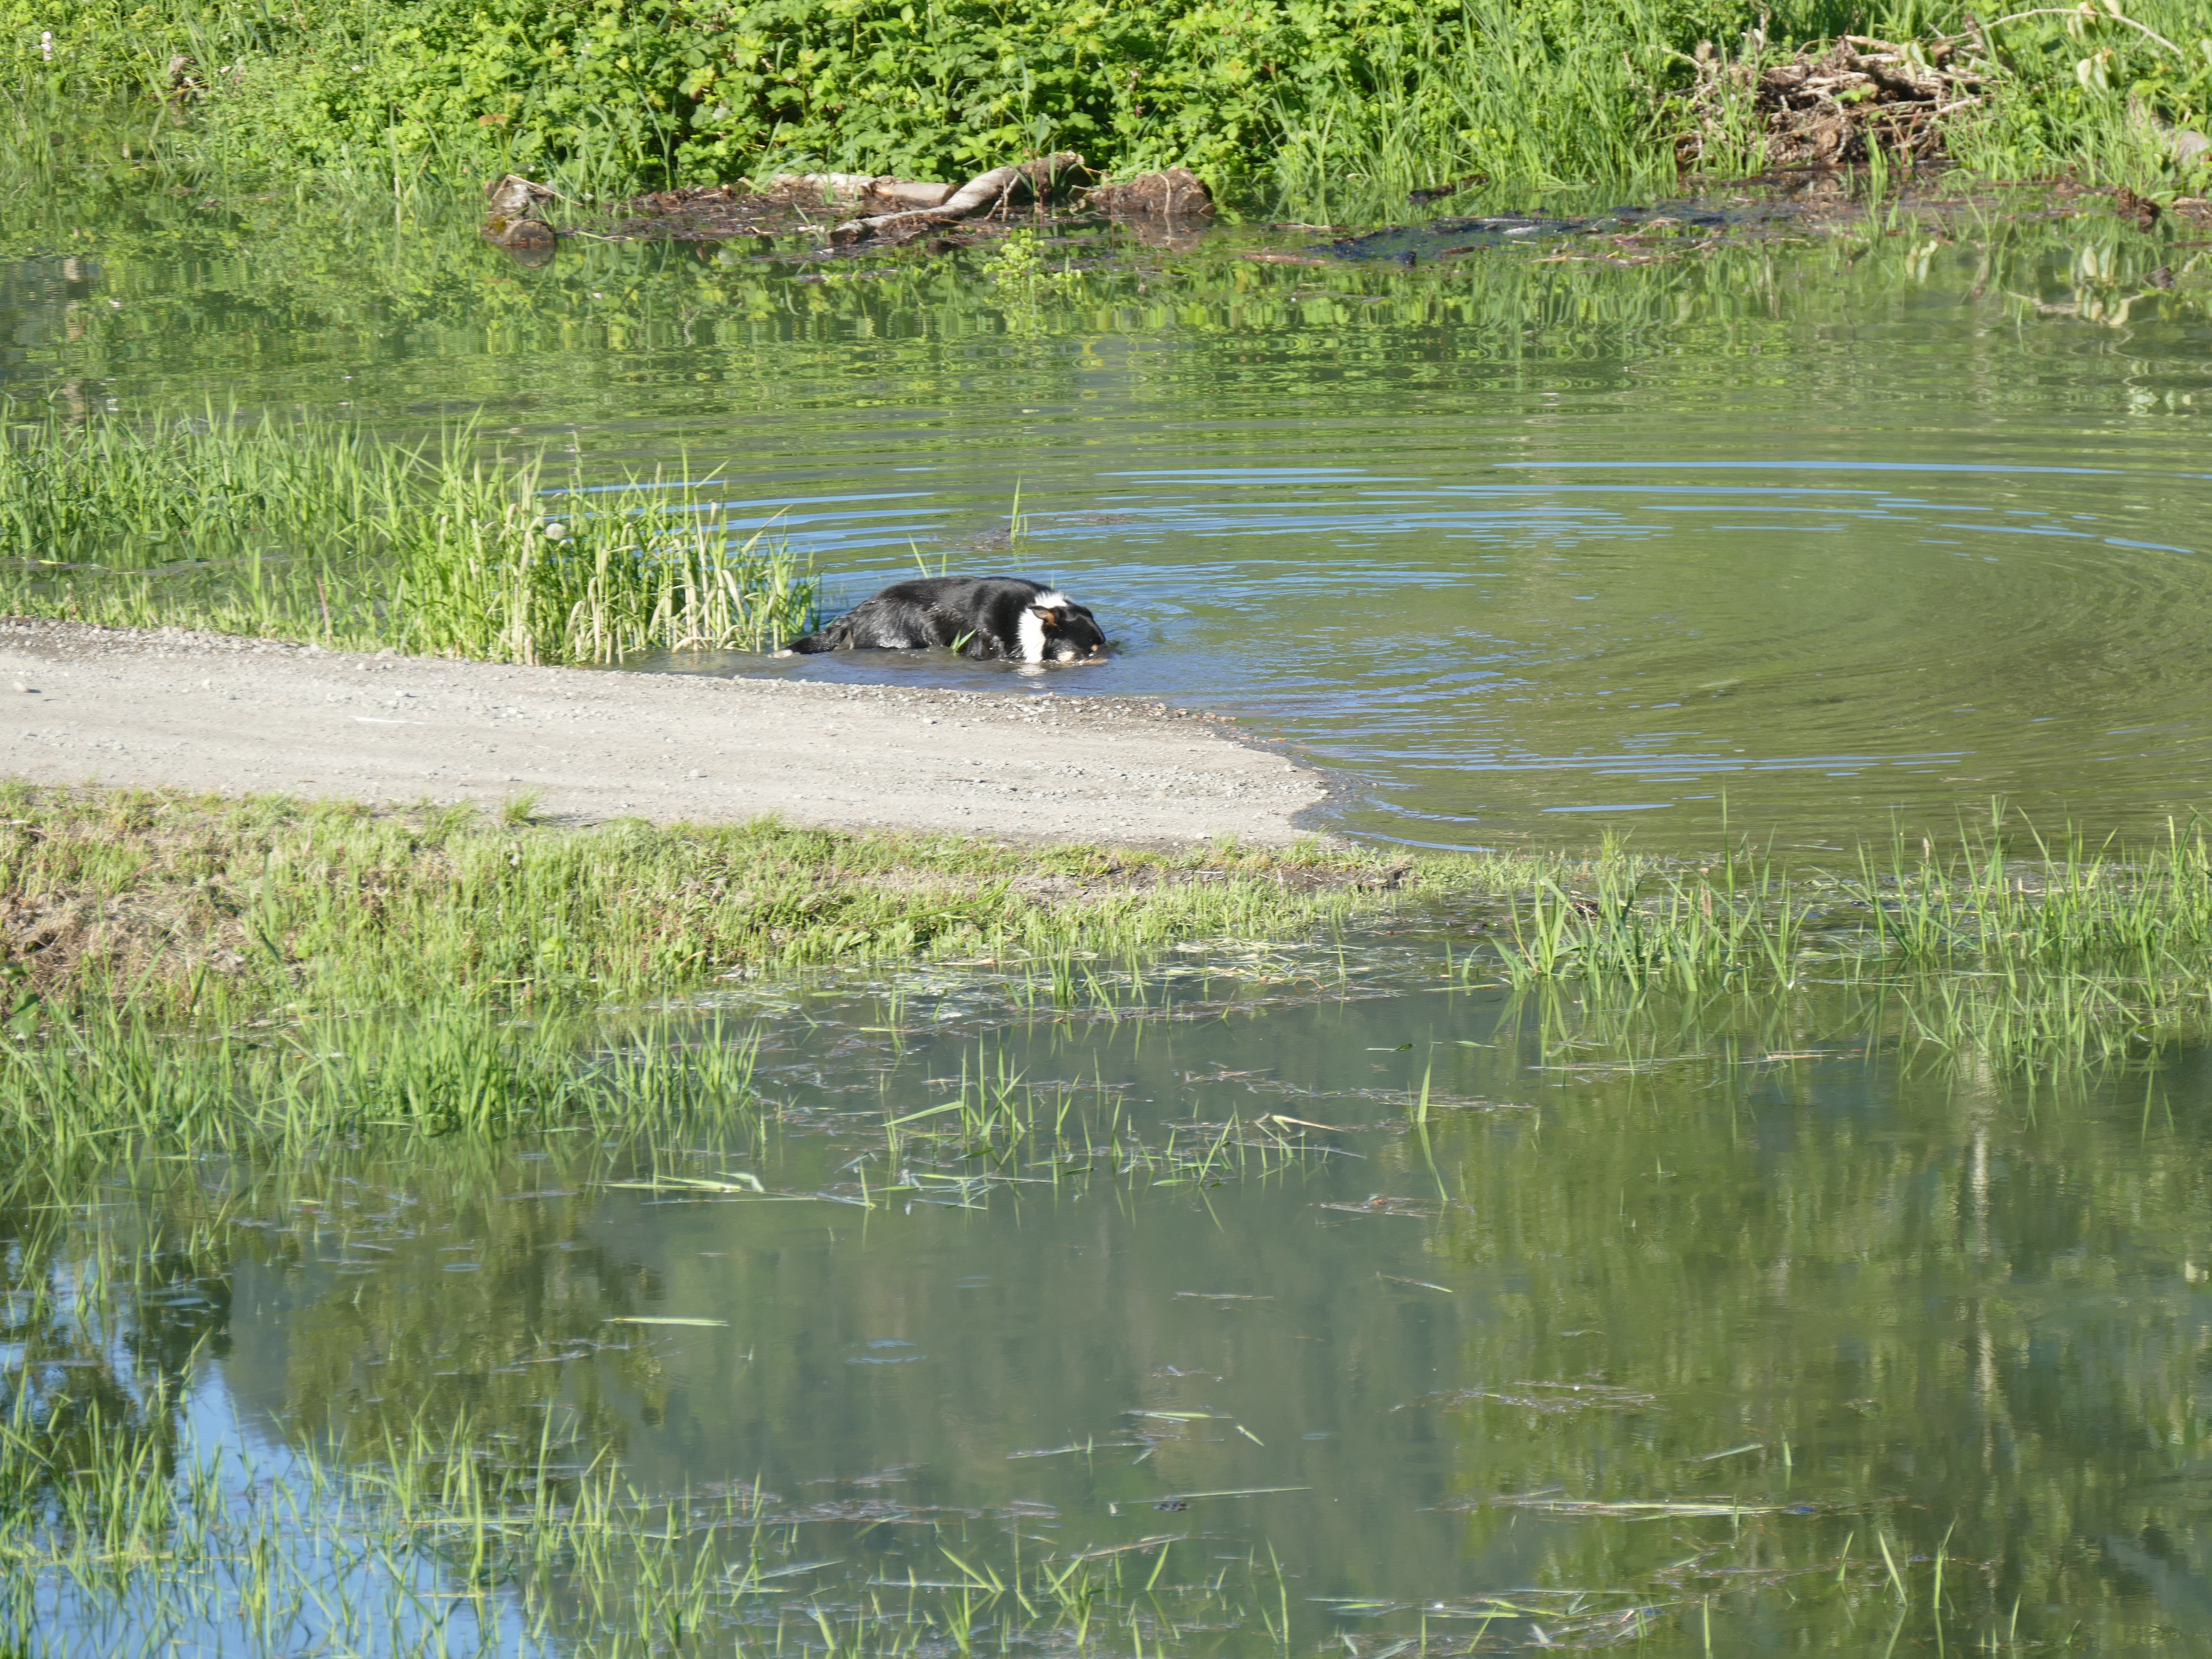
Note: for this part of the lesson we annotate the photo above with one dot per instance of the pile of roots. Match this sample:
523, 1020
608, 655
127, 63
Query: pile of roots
1823, 109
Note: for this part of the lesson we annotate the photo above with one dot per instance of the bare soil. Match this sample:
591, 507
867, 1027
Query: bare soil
169, 708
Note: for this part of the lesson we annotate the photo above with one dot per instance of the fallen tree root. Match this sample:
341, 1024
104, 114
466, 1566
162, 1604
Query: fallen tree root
987, 192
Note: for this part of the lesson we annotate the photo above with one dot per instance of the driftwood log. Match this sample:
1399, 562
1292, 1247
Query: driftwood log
986, 192
859, 189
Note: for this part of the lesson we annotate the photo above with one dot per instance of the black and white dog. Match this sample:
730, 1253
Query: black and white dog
980, 616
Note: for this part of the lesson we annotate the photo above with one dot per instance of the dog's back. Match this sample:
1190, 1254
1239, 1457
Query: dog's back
980, 616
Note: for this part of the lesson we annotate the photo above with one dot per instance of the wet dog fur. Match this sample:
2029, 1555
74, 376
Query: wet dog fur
985, 617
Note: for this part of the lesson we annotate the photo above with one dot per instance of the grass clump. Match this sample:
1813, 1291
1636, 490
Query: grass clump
2004, 944
111, 1079
316, 530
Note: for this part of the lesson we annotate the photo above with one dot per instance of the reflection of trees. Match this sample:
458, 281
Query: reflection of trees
430, 1287
1947, 1310
347, 280
1942, 1289
102, 1319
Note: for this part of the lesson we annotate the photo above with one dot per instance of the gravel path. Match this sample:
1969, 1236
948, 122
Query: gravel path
203, 711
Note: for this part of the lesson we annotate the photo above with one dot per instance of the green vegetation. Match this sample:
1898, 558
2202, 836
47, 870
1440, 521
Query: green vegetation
126, 912
1306, 100
359, 1546
441, 1533
484, 1455
109, 1080
2006, 948
312, 530
187, 905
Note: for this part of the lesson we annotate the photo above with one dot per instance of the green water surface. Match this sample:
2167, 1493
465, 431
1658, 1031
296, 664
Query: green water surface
1656, 1325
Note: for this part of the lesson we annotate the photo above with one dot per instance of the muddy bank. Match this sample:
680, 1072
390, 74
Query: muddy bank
174, 709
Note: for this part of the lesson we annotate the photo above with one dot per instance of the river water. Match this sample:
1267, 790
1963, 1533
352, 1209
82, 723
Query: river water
1829, 523
1347, 1297
1714, 1327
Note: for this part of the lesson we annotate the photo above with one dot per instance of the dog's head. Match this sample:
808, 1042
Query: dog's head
1072, 634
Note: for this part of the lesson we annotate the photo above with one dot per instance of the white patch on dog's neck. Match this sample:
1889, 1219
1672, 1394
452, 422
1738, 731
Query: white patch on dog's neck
1052, 600
1032, 635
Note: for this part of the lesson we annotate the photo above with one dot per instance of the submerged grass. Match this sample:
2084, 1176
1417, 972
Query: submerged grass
2004, 944
312, 529
129, 1523
442, 1538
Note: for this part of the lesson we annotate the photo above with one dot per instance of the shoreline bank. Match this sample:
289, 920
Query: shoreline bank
168, 708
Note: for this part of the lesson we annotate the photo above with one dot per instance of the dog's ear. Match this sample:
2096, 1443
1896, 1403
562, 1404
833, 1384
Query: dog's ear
1049, 618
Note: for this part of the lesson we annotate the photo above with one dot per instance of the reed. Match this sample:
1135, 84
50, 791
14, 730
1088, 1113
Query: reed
2005, 944
312, 529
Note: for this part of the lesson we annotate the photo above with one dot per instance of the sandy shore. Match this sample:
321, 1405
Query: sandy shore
201, 711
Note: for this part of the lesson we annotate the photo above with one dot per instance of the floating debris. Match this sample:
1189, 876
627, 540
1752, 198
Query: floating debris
646, 1319
1553, 1399
1219, 1296
1645, 1509
1383, 1204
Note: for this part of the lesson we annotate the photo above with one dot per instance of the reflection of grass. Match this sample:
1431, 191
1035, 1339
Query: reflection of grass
431, 1527
445, 1540
314, 530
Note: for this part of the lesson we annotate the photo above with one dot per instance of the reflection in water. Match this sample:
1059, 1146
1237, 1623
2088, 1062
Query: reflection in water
1664, 1317
1874, 521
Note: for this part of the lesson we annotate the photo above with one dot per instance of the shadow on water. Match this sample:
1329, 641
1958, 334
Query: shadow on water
1317, 1295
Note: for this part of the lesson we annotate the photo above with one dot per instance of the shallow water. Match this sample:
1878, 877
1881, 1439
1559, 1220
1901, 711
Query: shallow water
1740, 1265
1831, 521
